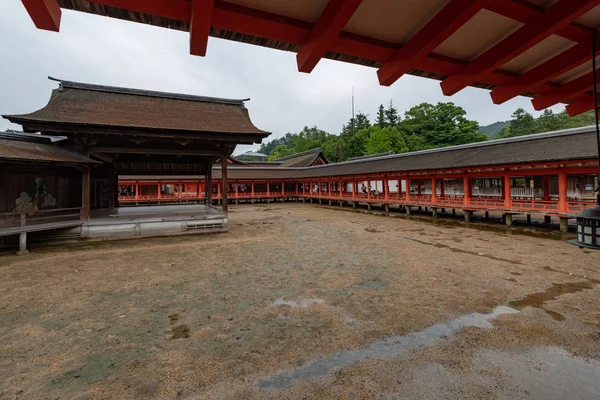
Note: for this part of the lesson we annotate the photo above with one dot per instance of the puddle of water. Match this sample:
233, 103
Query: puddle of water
388, 347
296, 303
457, 250
538, 299
547, 373
180, 332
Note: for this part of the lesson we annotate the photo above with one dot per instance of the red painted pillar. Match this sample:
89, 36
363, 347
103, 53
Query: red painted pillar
386, 189
137, 190
369, 190
433, 190
466, 190
252, 189
407, 189
268, 189
546, 187
442, 188
236, 190
341, 187
562, 191
507, 195
297, 191
419, 188
283, 188
218, 190
159, 187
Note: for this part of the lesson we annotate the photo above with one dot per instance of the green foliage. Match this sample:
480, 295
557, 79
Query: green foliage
523, 123
424, 126
492, 130
440, 125
391, 115
384, 139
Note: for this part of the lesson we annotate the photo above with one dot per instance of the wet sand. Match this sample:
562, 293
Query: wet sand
301, 301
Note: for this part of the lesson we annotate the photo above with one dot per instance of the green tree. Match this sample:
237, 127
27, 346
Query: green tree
381, 118
280, 151
386, 139
521, 123
391, 115
440, 125
354, 125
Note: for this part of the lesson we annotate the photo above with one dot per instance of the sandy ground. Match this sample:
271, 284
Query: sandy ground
291, 288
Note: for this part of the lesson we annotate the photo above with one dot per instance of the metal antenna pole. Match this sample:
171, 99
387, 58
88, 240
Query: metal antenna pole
594, 37
353, 111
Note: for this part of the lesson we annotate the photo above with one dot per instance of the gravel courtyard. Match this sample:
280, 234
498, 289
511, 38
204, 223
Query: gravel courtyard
301, 301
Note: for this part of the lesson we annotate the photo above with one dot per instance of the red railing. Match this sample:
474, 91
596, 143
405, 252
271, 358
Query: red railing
480, 203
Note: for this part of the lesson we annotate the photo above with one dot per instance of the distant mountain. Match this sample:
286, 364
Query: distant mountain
492, 130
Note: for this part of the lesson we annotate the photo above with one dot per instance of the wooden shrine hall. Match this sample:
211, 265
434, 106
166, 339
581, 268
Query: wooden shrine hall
131, 131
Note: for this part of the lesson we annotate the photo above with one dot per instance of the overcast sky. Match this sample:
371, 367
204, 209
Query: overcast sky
106, 51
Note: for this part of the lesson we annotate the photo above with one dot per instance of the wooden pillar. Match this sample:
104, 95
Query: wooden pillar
159, 196
386, 189
419, 188
252, 189
180, 190
297, 189
407, 189
507, 195
85, 193
442, 188
546, 187
137, 190
236, 190
562, 191
433, 190
208, 185
224, 184
466, 190
283, 189
268, 189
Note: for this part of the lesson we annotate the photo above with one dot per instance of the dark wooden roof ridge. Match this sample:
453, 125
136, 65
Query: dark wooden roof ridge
487, 143
80, 106
24, 137
387, 153
148, 93
13, 149
303, 153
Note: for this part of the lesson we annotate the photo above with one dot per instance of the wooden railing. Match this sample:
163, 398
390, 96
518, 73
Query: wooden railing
13, 220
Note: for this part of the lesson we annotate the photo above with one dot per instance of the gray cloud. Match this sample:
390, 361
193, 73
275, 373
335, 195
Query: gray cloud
108, 51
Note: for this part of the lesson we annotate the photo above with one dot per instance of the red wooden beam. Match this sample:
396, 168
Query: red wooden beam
526, 11
200, 22
566, 91
534, 78
454, 15
584, 103
45, 14
554, 18
173, 9
332, 21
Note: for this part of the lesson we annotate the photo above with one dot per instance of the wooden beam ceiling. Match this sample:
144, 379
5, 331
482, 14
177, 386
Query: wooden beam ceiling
333, 19
200, 22
454, 15
558, 15
45, 14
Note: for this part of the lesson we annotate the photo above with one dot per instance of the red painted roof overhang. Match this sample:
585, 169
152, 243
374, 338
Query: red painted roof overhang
538, 48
